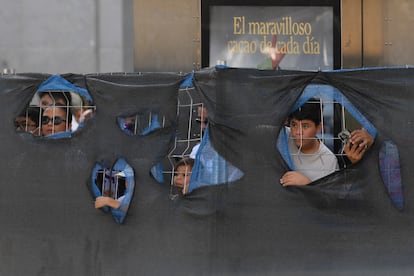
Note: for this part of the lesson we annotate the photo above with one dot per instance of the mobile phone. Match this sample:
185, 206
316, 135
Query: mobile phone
344, 136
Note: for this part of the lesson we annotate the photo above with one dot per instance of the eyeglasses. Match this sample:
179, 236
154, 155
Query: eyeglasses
56, 120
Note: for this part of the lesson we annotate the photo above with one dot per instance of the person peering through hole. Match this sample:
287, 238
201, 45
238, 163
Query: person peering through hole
51, 98
311, 158
182, 174
28, 121
113, 199
50, 115
81, 110
55, 119
202, 118
57, 91
58, 105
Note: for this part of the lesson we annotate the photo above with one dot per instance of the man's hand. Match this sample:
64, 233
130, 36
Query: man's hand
362, 138
359, 141
293, 178
354, 152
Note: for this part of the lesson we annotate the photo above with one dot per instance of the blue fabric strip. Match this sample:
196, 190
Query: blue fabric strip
57, 83
389, 163
210, 168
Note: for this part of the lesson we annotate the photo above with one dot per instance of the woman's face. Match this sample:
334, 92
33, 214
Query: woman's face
54, 120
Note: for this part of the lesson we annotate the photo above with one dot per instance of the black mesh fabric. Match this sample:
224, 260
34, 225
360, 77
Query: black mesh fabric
342, 224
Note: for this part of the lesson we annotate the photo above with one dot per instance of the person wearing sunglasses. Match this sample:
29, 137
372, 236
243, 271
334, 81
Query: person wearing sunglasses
56, 119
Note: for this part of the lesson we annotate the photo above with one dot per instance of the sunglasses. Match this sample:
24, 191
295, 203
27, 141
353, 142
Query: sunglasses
56, 120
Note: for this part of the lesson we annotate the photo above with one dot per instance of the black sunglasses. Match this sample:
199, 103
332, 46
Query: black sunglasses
56, 120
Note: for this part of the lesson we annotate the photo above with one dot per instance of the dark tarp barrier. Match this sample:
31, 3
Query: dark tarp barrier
342, 224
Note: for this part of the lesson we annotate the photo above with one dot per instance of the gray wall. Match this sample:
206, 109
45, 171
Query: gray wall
80, 36
374, 33
167, 35
87, 36
377, 33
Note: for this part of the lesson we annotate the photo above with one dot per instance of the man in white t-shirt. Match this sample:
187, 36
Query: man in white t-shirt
311, 158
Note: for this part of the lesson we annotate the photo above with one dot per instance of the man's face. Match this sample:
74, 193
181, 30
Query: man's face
54, 121
202, 117
304, 132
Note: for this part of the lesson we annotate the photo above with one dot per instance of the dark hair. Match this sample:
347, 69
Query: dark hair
32, 112
64, 108
311, 110
56, 95
184, 162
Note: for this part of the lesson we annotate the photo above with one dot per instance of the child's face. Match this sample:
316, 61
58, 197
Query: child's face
304, 132
25, 124
182, 177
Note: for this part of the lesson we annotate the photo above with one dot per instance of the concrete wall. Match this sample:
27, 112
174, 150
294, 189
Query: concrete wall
377, 33
167, 35
86, 36
80, 36
374, 33
398, 32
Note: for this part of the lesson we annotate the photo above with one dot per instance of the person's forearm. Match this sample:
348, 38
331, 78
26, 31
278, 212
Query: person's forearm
102, 201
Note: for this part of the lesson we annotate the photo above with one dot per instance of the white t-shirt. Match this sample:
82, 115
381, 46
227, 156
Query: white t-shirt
75, 124
194, 151
315, 165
